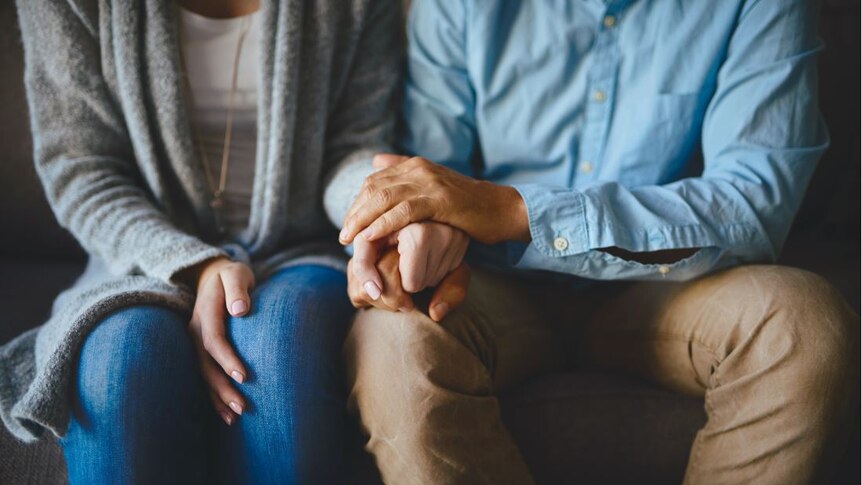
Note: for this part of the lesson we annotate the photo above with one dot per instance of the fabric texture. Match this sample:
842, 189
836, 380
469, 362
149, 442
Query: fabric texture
138, 368
750, 340
139, 404
599, 112
114, 152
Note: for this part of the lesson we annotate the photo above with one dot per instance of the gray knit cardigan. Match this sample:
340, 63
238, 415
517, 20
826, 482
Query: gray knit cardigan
114, 151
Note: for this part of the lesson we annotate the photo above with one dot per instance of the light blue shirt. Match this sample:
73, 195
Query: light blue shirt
645, 125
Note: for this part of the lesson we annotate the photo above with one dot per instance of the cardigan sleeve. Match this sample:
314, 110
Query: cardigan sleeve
83, 153
362, 123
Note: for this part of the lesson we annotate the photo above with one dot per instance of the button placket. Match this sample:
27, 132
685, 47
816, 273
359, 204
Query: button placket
602, 88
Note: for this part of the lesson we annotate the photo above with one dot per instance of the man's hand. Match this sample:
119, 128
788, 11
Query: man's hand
418, 190
450, 293
222, 286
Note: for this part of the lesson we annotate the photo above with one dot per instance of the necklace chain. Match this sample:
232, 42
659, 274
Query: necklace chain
217, 201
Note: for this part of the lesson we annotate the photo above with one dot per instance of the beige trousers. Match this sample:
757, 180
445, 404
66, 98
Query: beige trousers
773, 351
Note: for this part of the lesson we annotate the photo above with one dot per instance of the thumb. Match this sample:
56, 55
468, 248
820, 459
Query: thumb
450, 293
237, 280
386, 160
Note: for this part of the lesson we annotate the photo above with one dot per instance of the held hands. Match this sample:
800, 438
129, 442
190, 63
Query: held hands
383, 273
414, 189
222, 286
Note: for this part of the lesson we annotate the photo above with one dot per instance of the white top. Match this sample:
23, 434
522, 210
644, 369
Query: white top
209, 48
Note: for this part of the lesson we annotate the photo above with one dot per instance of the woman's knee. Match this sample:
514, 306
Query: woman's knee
132, 356
290, 342
297, 323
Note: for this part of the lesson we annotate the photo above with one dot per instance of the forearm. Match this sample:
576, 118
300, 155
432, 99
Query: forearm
109, 213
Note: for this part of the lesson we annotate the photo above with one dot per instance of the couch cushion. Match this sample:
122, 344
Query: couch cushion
41, 463
27, 289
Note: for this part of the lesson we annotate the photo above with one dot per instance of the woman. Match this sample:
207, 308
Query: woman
187, 147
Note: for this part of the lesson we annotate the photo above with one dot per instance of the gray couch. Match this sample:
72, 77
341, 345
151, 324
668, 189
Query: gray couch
577, 426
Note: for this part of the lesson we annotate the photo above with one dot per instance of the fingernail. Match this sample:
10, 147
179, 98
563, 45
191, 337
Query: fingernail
372, 289
237, 376
405, 309
441, 309
238, 307
228, 419
343, 234
236, 407
368, 233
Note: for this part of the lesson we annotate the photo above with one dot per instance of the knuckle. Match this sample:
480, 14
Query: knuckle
368, 188
207, 343
383, 196
406, 210
210, 342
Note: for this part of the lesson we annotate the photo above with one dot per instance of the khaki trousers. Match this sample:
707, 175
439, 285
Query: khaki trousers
772, 350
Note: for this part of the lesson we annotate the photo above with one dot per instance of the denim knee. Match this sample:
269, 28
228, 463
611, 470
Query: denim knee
134, 358
293, 335
293, 430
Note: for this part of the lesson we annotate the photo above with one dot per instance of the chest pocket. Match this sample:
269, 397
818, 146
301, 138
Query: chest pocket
656, 134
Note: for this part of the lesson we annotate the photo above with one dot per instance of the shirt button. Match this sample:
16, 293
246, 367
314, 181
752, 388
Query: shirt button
610, 21
586, 167
561, 243
664, 269
600, 96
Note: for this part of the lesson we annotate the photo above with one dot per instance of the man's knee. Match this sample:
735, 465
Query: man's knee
802, 320
406, 355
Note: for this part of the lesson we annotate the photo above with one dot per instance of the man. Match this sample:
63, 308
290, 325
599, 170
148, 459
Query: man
563, 136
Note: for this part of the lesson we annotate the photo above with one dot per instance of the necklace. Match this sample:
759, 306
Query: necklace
218, 189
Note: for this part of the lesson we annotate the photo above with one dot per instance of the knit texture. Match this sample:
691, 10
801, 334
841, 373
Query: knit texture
114, 151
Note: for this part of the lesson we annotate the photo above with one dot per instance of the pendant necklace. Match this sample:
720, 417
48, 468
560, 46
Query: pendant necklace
217, 202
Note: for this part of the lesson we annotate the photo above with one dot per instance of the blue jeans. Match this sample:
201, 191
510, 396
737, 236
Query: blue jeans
141, 413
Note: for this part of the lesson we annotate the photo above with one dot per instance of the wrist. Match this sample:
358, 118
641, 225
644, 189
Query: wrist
194, 275
512, 216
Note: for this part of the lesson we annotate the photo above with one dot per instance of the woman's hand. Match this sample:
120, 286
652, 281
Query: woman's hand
428, 252
449, 294
222, 286
416, 189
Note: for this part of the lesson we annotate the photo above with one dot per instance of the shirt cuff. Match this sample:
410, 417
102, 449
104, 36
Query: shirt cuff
558, 222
